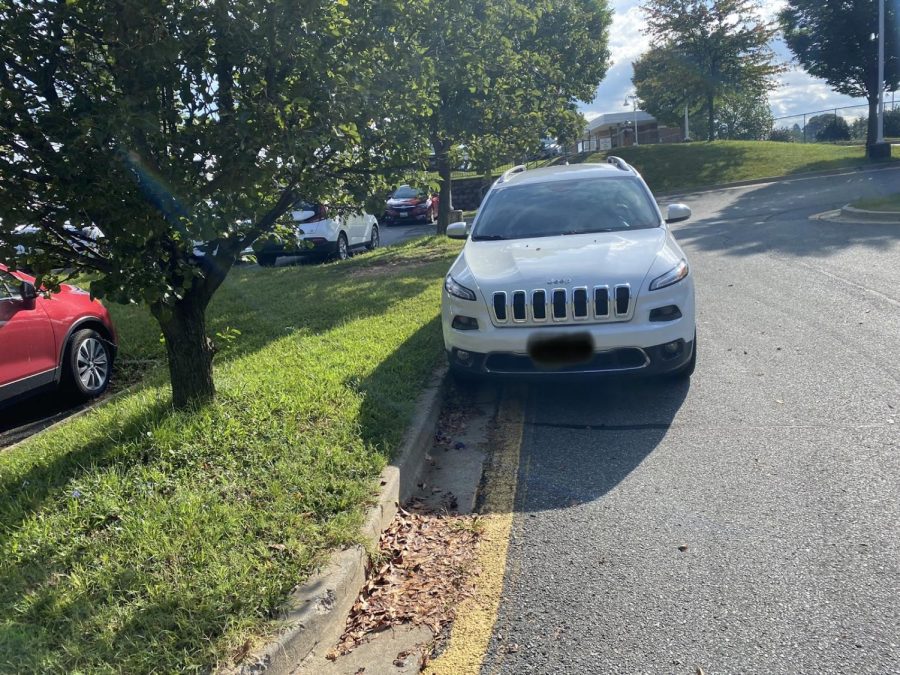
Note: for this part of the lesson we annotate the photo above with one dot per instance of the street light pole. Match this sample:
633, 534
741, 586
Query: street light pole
634, 101
687, 120
880, 71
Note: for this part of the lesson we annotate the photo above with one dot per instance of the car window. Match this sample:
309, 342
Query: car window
554, 208
407, 192
9, 286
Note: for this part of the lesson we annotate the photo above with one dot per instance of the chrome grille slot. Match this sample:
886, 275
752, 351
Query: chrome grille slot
623, 299
560, 311
539, 305
601, 301
500, 306
580, 303
518, 306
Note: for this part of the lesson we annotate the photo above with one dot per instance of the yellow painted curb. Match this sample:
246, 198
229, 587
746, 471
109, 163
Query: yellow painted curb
475, 618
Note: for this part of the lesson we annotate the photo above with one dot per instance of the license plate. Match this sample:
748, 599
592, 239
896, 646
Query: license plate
561, 351
404, 214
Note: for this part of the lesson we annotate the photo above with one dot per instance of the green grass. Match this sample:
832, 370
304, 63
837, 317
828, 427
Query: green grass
891, 203
690, 165
136, 539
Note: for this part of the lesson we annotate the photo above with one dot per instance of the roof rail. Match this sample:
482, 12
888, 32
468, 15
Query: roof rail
510, 172
619, 163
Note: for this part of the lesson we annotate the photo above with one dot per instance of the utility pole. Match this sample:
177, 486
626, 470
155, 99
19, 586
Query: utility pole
687, 121
631, 98
880, 71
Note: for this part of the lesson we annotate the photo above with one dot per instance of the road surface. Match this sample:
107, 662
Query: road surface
748, 522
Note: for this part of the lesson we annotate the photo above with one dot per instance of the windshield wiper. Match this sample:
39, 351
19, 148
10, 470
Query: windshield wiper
488, 237
571, 232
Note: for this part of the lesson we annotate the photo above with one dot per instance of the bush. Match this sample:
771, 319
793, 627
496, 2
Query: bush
835, 129
781, 136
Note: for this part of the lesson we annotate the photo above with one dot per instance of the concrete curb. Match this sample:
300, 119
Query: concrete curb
870, 216
315, 614
886, 166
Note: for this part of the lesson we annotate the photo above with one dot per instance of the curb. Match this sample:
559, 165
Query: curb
316, 612
887, 166
870, 216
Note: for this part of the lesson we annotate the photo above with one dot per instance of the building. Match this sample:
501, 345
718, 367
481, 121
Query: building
615, 130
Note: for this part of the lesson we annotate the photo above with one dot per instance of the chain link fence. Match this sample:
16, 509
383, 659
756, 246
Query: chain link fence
809, 127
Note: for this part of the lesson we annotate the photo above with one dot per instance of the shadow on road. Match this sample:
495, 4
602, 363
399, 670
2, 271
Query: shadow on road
776, 218
581, 440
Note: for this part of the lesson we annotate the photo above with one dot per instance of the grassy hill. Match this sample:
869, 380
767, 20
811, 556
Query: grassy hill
690, 165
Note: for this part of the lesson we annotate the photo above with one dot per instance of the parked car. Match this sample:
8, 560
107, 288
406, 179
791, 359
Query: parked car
320, 234
409, 204
66, 340
570, 269
79, 239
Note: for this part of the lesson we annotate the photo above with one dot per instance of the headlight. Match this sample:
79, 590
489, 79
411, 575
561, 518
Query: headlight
673, 276
457, 290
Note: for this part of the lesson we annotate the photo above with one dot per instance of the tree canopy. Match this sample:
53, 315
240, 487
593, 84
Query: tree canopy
833, 40
184, 131
711, 49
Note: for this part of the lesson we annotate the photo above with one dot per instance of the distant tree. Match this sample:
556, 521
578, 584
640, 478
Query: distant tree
836, 129
815, 124
722, 46
832, 39
892, 123
664, 84
185, 131
859, 128
744, 116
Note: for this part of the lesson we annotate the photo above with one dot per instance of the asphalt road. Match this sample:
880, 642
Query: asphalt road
21, 420
748, 522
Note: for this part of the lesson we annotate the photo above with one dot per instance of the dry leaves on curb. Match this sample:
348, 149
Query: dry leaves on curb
423, 574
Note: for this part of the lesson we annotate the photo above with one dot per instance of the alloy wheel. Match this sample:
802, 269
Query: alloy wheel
92, 364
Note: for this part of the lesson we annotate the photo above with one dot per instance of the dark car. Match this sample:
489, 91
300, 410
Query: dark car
409, 204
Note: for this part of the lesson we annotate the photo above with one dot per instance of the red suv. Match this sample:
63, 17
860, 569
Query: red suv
65, 339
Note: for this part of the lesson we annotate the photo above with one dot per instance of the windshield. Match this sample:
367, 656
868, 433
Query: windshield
566, 207
406, 192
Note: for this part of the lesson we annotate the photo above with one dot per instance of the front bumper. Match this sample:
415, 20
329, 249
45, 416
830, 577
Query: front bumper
633, 347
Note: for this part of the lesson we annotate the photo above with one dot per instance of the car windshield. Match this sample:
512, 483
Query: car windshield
556, 208
407, 192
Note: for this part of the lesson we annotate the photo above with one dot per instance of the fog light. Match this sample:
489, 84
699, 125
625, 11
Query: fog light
672, 347
463, 356
465, 323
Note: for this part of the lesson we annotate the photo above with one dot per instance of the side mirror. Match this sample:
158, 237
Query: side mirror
27, 291
677, 213
458, 230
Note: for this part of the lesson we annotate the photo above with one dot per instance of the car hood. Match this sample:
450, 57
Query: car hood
585, 259
404, 202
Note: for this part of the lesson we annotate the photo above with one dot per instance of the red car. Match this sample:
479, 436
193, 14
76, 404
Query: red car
408, 204
66, 339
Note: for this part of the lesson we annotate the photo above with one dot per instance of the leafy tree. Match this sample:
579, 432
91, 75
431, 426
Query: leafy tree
836, 129
744, 115
815, 125
185, 131
782, 135
719, 46
664, 82
506, 71
832, 39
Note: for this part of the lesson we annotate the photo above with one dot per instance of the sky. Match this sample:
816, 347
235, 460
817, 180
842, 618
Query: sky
797, 93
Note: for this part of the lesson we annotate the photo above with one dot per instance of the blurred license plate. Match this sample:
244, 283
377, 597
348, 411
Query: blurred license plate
403, 214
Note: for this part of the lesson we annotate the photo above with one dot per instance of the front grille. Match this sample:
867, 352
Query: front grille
597, 304
616, 360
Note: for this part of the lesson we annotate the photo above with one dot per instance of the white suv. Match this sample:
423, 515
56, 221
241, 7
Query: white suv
570, 269
322, 236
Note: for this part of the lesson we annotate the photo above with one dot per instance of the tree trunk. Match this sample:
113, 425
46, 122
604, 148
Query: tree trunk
711, 110
872, 130
441, 151
189, 351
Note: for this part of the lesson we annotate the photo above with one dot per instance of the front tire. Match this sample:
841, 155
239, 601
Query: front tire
87, 366
688, 368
